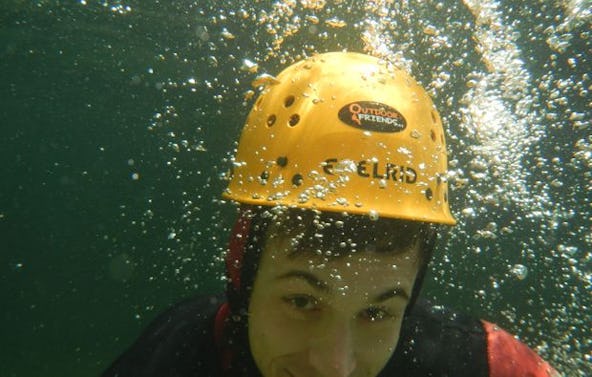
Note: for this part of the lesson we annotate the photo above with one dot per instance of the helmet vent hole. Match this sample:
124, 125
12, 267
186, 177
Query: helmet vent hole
264, 177
433, 135
282, 161
446, 197
428, 193
294, 119
289, 101
434, 117
297, 179
271, 120
258, 103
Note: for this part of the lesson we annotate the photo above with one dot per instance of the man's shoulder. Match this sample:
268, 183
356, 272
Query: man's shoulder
179, 342
509, 357
437, 341
189, 322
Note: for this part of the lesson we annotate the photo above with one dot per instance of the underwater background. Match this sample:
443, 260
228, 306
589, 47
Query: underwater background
118, 122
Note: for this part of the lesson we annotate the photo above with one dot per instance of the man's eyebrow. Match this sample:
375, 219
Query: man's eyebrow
321, 285
311, 279
390, 293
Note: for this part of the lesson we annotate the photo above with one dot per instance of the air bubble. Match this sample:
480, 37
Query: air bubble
249, 66
373, 215
263, 80
227, 35
336, 23
519, 271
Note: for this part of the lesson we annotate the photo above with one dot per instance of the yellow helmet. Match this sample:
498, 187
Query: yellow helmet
344, 132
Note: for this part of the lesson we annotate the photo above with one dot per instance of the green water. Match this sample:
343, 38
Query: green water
118, 120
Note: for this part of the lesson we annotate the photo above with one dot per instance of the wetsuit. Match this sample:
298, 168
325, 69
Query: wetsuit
182, 342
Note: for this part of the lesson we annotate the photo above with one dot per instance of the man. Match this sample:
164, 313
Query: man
340, 175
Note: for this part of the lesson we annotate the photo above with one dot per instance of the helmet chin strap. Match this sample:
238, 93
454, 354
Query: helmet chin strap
244, 252
428, 245
239, 237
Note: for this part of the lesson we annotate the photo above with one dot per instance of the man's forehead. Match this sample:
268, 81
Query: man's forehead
358, 272
325, 259
337, 235
290, 246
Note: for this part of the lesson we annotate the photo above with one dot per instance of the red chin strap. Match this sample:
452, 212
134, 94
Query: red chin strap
236, 247
234, 262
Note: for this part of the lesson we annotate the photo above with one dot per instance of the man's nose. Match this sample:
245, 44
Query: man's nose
332, 353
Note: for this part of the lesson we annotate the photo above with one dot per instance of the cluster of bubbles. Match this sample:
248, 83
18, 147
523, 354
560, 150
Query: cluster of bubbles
513, 91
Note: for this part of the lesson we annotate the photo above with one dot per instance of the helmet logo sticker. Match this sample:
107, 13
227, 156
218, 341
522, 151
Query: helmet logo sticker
372, 116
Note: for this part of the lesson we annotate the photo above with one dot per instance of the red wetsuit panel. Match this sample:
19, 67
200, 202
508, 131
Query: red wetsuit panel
508, 357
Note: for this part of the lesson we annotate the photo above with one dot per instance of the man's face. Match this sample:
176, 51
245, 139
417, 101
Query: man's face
312, 316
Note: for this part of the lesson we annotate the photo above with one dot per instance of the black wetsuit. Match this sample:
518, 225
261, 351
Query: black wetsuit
181, 342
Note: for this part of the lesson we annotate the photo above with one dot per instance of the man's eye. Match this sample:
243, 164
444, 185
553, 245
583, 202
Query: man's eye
375, 314
302, 302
